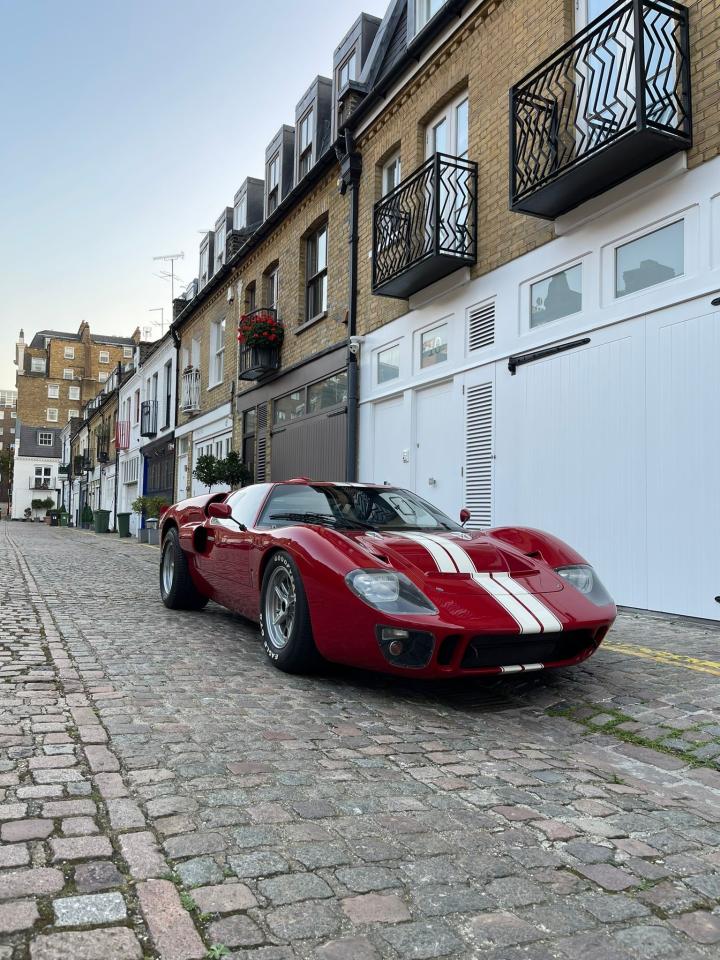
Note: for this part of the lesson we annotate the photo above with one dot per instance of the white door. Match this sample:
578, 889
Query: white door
570, 453
391, 442
438, 439
182, 472
683, 468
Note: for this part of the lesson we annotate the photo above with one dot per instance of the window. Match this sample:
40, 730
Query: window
204, 263
51, 414
391, 174
44, 439
104, 356
43, 476
73, 413
217, 355
425, 10
316, 274
388, 364
347, 70
137, 406
102, 376
13, 415
557, 296
128, 353
73, 393
240, 214
306, 144
273, 183
433, 346
652, 259
271, 288
246, 503
289, 407
68, 373
37, 365
53, 391
250, 297
2, 414
327, 393
168, 391
69, 353
220, 245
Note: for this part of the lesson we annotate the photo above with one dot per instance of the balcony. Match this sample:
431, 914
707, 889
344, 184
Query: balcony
426, 228
190, 391
612, 101
258, 362
148, 418
35, 483
122, 434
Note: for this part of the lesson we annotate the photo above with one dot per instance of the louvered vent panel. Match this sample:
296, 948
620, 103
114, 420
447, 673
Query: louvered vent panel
261, 456
481, 325
478, 457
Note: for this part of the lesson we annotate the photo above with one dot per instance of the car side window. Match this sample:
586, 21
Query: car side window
245, 503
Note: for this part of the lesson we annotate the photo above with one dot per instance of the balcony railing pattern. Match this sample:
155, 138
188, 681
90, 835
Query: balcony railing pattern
190, 395
258, 362
36, 483
122, 434
148, 418
426, 227
626, 74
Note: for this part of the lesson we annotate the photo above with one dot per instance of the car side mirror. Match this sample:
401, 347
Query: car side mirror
464, 515
220, 510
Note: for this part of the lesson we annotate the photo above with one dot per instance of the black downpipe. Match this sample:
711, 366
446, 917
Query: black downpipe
350, 171
117, 452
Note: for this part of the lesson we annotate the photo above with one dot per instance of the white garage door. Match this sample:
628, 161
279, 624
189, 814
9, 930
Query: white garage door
613, 447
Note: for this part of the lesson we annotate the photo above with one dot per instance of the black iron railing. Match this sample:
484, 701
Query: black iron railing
626, 74
258, 362
148, 418
426, 227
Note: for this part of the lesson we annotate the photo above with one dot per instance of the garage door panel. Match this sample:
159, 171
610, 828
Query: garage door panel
683, 355
570, 455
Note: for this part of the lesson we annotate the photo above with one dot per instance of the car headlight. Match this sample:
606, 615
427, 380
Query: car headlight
586, 581
389, 591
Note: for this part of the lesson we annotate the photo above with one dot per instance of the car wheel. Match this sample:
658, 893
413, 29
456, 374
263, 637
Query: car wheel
285, 618
177, 590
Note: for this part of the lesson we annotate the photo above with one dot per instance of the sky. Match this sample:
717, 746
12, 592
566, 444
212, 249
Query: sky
127, 127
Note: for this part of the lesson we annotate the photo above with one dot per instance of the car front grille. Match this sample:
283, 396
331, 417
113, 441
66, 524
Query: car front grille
506, 651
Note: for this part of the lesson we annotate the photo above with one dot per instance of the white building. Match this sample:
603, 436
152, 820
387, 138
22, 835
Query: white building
37, 453
575, 389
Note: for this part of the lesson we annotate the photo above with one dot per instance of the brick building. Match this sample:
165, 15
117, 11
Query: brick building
57, 374
530, 287
8, 420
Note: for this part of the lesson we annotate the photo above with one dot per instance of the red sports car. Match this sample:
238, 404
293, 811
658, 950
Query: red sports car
375, 577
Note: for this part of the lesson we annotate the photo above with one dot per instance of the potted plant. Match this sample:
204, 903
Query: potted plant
37, 504
27, 514
138, 506
261, 335
206, 470
86, 517
233, 471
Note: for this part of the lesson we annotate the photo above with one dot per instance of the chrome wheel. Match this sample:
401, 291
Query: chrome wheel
168, 569
280, 607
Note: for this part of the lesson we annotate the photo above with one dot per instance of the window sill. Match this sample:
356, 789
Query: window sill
213, 386
310, 323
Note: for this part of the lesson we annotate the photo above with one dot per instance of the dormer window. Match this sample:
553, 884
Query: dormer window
347, 71
425, 10
204, 265
220, 246
273, 182
240, 215
37, 365
306, 144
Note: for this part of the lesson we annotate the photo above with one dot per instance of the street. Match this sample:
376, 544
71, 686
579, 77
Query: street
166, 791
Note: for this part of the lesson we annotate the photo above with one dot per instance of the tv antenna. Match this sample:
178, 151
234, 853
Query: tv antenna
171, 257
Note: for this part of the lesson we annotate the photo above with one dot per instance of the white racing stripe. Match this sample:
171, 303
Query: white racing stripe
520, 614
547, 618
462, 559
440, 556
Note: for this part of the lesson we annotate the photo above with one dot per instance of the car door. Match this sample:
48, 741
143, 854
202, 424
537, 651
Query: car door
230, 553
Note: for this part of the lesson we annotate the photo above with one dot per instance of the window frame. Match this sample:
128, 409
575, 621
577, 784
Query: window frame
104, 356
397, 345
306, 151
393, 161
103, 376
350, 55
128, 353
76, 396
319, 278
48, 411
69, 353
53, 391
526, 294
218, 330
305, 391
271, 279
272, 167
639, 236
46, 434
37, 365
68, 370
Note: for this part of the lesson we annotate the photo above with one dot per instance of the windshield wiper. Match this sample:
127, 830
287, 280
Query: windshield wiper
322, 518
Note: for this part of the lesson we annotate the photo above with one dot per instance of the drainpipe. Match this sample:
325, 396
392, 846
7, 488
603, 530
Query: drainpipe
350, 172
176, 343
117, 452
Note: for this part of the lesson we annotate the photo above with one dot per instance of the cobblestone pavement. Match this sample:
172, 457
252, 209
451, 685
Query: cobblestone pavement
166, 793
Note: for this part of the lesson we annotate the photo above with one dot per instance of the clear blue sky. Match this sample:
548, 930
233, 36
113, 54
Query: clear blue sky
127, 126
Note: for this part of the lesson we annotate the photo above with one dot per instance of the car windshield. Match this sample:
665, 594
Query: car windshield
345, 505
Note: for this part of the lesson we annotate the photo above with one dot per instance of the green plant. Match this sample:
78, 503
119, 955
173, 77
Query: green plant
37, 504
206, 470
217, 951
48, 503
138, 505
233, 471
87, 514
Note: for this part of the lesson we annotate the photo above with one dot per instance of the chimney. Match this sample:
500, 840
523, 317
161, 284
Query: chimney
20, 352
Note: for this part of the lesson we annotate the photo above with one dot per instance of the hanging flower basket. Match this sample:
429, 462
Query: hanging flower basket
260, 329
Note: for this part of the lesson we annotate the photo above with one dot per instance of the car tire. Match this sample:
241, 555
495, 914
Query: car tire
177, 589
285, 626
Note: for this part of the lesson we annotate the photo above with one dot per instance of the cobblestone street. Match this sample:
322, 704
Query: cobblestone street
167, 793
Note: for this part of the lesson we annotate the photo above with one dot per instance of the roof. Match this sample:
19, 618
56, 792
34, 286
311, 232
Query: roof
38, 341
